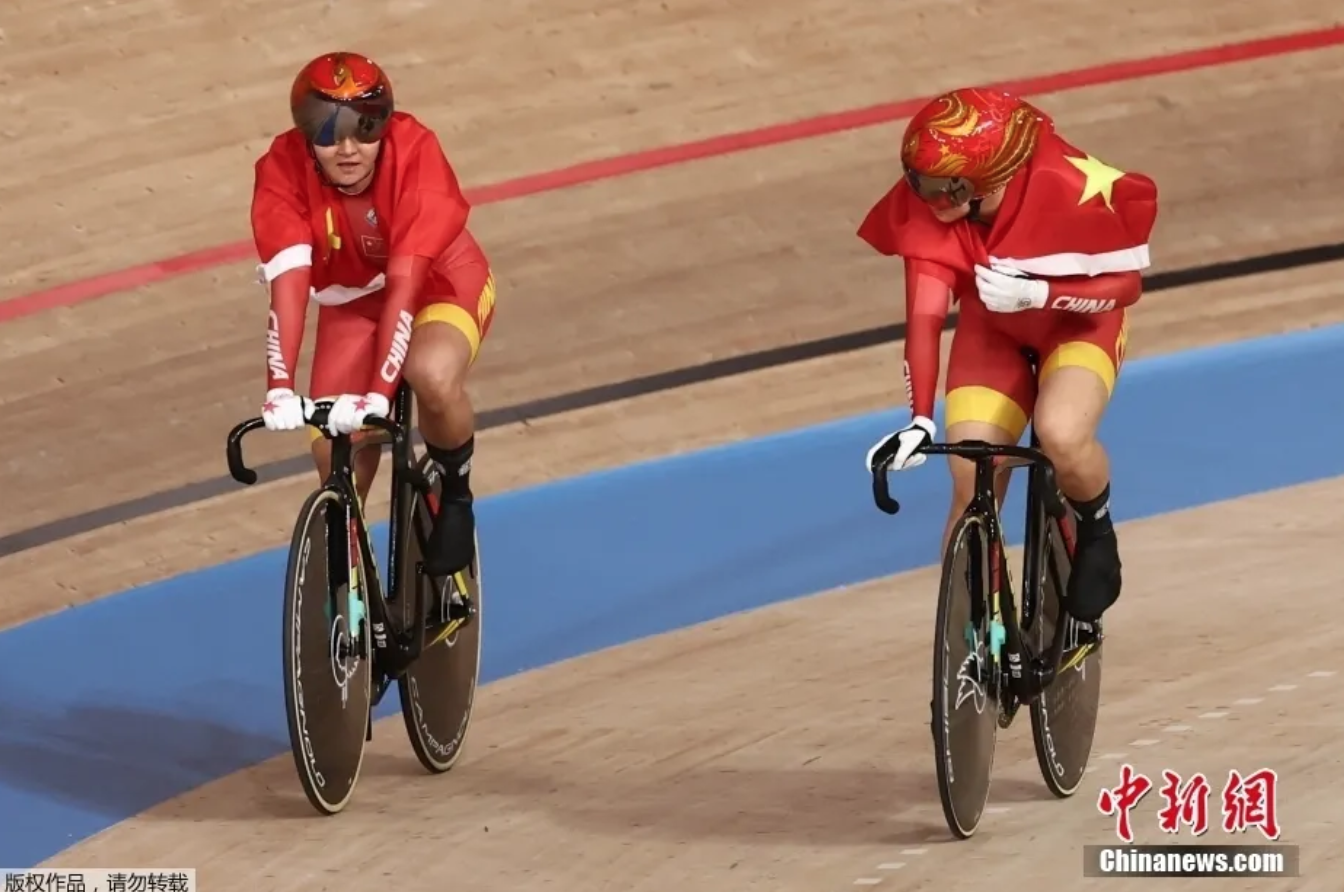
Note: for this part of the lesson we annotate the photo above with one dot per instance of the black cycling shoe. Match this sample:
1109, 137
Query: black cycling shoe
452, 541
1094, 584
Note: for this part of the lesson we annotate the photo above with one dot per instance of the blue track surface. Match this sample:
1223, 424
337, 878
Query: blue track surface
113, 707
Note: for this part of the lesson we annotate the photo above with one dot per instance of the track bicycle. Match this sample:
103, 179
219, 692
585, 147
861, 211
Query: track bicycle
347, 638
983, 655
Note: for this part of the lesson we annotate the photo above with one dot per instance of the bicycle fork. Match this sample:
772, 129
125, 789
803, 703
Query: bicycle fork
1027, 675
354, 595
1004, 630
345, 581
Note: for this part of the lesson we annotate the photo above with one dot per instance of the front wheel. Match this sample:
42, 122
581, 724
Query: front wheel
439, 688
1064, 716
326, 652
965, 670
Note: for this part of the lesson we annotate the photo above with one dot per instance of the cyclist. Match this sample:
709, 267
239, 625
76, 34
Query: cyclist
1042, 245
358, 209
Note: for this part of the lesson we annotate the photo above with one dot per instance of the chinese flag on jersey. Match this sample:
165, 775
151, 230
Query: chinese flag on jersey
1065, 214
417, 204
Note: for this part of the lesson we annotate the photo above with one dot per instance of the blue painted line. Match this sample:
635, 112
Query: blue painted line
113, 707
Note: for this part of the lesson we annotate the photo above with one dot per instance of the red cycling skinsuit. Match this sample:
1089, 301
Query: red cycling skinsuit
379, 264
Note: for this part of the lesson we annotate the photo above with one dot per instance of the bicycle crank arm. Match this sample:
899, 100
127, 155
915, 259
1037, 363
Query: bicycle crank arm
379, 689
459, 614
1082, 652
395, 659
447, 631
1028, 675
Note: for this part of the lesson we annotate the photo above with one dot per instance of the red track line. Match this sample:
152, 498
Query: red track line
82, 290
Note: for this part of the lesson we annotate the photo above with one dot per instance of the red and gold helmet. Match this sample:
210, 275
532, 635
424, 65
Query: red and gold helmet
968, 143
341, 95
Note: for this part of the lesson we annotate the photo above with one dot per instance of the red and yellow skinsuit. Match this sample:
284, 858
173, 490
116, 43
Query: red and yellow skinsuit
379, 264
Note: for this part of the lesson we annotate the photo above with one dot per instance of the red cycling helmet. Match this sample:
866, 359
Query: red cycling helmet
341, 95
968, 143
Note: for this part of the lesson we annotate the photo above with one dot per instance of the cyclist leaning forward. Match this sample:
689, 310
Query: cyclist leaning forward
358, 209
1042, 245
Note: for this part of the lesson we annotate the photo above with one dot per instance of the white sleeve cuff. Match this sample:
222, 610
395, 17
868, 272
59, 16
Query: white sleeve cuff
293, 257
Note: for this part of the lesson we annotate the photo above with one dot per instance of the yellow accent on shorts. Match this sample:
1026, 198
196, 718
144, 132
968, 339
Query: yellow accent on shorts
486, 304
1081, 355
452, 314
984, 404
1122, 339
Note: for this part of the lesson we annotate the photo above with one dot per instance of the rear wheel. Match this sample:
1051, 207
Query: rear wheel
439, 688
1064, 716
965, 721
326, 652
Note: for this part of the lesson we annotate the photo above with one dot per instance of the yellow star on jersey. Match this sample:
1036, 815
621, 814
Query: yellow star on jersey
1100, 177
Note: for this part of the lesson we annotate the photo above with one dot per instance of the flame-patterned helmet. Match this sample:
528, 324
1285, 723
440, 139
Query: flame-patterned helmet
968, 143
341, 95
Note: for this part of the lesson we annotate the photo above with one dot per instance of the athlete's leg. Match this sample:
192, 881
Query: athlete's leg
342, 358
963, 470
1077, 378
989, 397
447, 336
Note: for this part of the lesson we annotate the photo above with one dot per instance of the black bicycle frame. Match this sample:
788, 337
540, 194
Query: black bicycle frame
401, 411
401, 647
1044, 500
1043, 497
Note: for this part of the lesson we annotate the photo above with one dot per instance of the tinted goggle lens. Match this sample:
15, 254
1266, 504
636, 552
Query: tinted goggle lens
332, 124
942, 193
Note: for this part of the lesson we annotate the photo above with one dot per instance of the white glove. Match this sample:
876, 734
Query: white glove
350, 409
903, 444
284, 410
1005, 290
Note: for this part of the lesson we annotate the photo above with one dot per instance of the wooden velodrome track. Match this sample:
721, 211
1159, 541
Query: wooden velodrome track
131, 132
